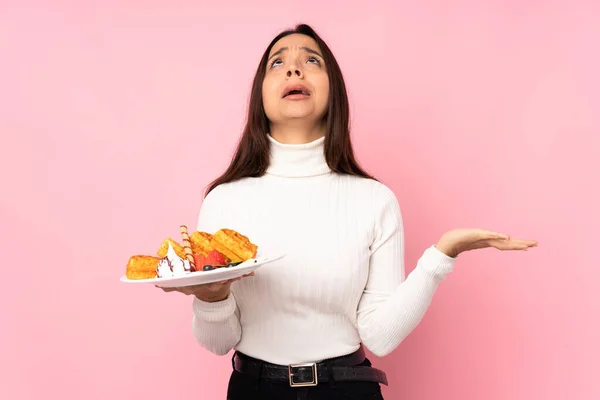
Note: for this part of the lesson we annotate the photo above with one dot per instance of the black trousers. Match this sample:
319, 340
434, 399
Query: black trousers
246, 387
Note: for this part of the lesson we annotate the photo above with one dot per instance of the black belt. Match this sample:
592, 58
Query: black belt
344, 368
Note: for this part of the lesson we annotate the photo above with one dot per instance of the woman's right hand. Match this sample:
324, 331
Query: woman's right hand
209, 292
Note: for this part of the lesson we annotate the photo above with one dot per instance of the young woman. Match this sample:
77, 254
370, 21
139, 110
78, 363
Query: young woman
298, 325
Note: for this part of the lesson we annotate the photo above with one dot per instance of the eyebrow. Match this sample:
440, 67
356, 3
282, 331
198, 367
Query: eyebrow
307, 49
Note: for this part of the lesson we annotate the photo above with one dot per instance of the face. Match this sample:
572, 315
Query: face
296, 85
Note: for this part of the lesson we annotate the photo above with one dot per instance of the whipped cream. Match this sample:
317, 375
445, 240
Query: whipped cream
172, 265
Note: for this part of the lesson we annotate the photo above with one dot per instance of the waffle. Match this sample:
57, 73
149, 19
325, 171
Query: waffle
200, 243
164, 247
141, 267
233, 245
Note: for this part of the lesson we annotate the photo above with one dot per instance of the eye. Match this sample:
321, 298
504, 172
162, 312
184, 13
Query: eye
313, 60
274, 62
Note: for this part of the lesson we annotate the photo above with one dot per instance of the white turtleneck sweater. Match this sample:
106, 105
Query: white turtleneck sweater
342, 280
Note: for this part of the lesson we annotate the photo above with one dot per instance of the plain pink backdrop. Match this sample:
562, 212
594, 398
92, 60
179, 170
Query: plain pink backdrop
477, 114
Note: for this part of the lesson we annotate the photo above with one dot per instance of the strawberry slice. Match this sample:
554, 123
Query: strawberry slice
200, 261
215, 259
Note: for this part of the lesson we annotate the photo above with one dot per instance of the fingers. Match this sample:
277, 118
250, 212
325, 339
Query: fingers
211, 287
491, 235
513, 244
522, 243
214, 287
496, 240
166, 289
494, 235
528, 243
187, 290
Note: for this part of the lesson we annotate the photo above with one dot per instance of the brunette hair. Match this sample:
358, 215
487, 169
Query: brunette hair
251, 158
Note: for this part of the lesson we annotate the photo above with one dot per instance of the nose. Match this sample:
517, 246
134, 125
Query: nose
294, 71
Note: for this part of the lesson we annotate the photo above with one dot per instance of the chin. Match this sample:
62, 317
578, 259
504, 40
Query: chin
287, 116
299, 111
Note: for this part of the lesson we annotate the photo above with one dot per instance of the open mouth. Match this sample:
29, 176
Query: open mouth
295, 90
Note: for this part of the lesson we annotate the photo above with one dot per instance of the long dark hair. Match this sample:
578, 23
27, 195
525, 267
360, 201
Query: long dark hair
251, 158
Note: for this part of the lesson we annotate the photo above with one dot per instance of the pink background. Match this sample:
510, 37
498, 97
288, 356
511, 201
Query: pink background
477, 114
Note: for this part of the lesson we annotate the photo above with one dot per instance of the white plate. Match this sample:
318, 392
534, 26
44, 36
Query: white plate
202, 277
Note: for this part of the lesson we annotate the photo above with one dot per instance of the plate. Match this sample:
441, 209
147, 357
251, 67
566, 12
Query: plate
202, 277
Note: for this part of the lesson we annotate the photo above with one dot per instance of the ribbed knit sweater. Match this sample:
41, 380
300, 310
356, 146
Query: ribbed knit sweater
342, 280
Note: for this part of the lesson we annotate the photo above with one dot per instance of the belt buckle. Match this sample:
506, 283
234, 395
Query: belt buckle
313, 382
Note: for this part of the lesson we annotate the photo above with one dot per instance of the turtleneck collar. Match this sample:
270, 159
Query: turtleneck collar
297, 160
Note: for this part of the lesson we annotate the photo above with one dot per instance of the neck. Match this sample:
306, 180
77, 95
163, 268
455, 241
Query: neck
297, 133
297, 160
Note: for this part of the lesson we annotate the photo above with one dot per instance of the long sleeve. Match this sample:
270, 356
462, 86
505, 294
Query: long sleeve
391, 305
216, 326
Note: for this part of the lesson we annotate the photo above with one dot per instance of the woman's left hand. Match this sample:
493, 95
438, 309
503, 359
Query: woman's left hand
457, 241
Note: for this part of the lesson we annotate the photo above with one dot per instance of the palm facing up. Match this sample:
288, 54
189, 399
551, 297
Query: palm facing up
457, 241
